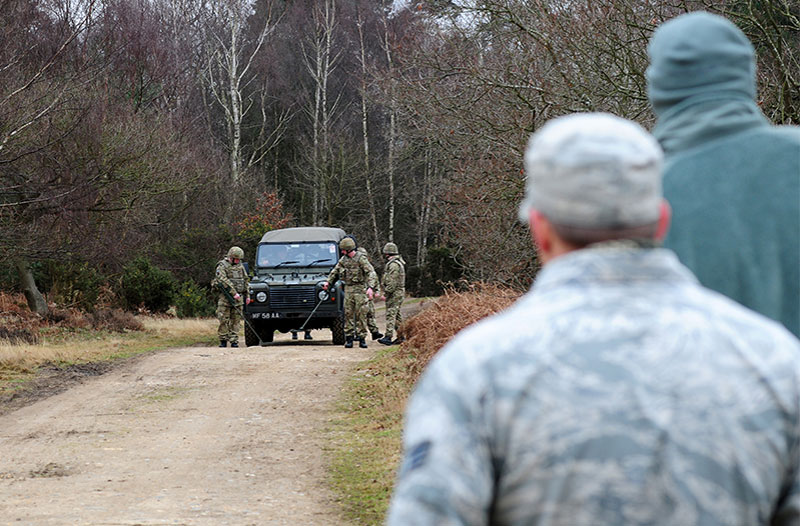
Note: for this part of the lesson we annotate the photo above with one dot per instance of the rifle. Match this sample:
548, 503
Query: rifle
232, 301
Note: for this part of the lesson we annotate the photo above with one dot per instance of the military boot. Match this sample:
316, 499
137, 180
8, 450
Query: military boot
308, 336
362, 343
223, 343
386, 340
348, 342
234, 344
376, 335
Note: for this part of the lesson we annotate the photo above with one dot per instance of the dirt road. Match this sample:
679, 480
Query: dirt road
196, 436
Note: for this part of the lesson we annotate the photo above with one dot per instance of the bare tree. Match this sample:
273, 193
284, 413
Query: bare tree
40, 81
321, 61
364, 128
92, 171
425, 208
774, 28
233, 83
481, 76
391, 139
26, 76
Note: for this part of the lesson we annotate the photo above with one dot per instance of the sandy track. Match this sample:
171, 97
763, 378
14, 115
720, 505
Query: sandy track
197, 435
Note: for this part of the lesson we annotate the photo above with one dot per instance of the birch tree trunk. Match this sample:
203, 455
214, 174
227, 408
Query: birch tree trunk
425, 208
365, 133
321, 65
324, 115
318, 173
228, 72
235, 101
392, 134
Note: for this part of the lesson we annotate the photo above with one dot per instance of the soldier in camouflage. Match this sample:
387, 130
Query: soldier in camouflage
231, 277
617, 391
360, 281
394, 287
372, 323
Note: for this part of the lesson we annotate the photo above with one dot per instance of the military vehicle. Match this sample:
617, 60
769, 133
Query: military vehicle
286, 286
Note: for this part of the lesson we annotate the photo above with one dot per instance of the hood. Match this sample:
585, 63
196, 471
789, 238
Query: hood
699, 54
701, 81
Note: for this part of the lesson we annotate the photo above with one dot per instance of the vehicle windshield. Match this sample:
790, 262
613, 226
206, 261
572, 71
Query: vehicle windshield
277, 255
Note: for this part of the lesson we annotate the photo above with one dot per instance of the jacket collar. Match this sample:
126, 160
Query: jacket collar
613, 263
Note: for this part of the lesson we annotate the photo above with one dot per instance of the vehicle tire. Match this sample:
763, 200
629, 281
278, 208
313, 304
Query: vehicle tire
337, 329
251, 338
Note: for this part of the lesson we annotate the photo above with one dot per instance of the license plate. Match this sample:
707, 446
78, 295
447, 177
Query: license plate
266, 315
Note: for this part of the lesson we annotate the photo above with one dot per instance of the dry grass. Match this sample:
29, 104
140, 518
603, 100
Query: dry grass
66, 336
431, 329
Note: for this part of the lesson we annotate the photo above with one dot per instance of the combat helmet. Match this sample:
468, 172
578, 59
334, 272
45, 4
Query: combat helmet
235, 253
347, 243
390, 249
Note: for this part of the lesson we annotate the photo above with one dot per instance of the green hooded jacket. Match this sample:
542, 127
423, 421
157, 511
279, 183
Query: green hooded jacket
732, 178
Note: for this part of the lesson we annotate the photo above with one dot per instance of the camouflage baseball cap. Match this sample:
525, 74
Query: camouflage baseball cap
593, 170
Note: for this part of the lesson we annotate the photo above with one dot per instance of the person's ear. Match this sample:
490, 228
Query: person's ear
664, 219
540, 230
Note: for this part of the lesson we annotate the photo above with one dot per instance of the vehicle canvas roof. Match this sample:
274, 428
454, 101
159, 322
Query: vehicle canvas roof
303, 234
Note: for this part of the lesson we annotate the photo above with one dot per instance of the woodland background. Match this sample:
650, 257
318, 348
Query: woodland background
139, 139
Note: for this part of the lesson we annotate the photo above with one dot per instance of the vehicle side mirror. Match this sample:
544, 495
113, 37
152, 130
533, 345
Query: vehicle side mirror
246, 268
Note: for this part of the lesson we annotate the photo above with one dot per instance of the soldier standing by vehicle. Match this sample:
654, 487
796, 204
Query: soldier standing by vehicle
360, 280
394, 287
232, 281
372, 324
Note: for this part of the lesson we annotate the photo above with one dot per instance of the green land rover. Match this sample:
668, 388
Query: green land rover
286, 287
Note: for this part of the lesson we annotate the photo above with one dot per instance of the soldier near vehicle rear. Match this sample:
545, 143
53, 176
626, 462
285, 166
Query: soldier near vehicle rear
372, 323
230, 278
394, 288
360, 282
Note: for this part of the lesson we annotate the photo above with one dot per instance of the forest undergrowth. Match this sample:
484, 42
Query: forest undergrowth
68, 336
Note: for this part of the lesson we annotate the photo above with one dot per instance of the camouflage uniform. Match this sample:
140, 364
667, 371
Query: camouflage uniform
616, 392
234, 279
358, 274
372, 324
394, 287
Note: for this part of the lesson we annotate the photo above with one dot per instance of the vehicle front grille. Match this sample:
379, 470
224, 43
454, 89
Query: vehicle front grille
299, 297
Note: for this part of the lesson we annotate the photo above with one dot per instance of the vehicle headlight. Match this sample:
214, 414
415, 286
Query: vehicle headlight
322, 295
261, 297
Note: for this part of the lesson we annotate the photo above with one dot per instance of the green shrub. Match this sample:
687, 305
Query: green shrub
72, 284
441, 270
194, 251
144, 284
193, 301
